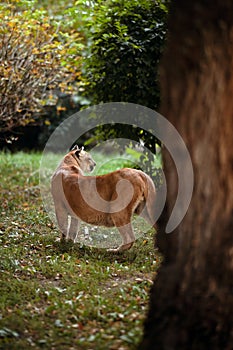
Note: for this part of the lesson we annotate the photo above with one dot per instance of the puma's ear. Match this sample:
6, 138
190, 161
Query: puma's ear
75, 147
77, 153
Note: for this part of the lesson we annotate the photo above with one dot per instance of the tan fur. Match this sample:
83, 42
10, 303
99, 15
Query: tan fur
107, 200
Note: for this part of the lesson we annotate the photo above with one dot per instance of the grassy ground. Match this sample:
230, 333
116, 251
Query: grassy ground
55, 296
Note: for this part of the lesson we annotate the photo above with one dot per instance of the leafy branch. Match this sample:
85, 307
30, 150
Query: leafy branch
36, 58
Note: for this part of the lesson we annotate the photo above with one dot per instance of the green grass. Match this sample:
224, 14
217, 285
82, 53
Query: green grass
64, 296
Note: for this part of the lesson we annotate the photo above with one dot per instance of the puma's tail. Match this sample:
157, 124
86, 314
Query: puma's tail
151, 201
148, 211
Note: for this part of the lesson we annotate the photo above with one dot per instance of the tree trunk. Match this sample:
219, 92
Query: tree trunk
191, 305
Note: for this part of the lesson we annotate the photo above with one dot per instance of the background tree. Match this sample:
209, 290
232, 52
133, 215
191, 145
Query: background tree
191, 301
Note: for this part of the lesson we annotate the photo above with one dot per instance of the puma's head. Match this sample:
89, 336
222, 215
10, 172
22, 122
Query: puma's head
84, 159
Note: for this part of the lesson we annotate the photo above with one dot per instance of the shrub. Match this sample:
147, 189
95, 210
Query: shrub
127, 39
36, 58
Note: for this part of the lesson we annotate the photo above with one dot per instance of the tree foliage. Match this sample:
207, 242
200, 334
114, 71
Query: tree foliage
36, 58
46, 47
126, 42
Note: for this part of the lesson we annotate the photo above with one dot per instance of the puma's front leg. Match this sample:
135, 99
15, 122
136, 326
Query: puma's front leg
62, 220
73, 229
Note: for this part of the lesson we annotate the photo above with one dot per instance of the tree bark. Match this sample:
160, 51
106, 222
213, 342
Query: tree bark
191, 304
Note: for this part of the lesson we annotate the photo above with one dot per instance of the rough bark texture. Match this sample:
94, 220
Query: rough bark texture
191, 304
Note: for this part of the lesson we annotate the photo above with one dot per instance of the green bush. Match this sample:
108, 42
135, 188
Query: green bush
127, 38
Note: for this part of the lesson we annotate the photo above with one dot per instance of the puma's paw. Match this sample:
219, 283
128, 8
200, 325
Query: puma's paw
121, 248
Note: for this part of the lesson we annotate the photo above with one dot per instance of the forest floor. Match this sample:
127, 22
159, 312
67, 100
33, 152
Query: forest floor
65, 296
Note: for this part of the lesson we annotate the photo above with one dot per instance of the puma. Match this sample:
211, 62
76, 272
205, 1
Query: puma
105, 200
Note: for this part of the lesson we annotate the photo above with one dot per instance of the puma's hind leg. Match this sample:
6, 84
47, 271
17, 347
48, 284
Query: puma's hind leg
128, 238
